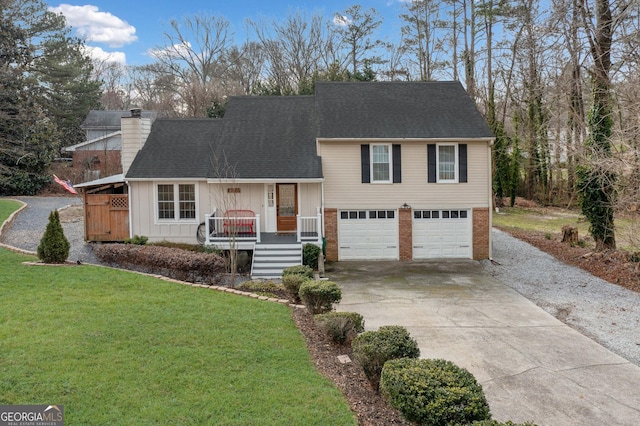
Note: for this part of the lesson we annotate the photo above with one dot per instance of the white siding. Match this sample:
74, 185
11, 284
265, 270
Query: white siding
344, 188
142, 214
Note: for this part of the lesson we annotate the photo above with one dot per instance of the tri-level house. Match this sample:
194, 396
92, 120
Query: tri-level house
381, 170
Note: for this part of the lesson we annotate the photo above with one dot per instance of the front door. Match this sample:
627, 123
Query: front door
287, 206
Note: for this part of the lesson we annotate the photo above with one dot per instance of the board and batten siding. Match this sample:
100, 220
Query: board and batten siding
343, 185
143, 213
309, 198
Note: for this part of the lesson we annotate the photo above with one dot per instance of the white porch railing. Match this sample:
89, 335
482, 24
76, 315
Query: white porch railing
309, 228
228, 228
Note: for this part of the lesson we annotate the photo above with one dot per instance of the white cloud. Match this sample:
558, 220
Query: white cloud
99, 55
96, 26
175, 51
342, 20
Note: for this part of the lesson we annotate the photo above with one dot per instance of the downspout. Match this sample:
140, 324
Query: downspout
490, 181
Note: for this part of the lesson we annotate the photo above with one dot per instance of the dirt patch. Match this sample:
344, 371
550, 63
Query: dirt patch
369, 406
74, 213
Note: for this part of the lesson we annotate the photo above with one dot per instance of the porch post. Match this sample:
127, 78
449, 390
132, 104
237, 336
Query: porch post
319, 225
298, 233
257, 227
206, 228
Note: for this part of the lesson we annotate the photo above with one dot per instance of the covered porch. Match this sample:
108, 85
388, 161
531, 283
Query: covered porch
242, 229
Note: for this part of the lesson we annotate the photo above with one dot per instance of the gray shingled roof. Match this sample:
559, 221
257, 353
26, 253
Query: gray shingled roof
111, 119
263, 137
177, 148
270, 137
397, 110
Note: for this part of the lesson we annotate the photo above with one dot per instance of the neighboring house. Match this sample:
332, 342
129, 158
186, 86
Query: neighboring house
99, 155
390, 170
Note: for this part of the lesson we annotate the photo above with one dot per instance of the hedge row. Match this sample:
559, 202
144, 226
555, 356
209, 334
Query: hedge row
178, 264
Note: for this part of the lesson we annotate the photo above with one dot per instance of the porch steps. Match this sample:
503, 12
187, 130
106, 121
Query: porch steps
269, 260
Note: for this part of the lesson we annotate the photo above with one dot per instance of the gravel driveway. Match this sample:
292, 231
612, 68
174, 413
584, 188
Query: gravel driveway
28, 227
607, 313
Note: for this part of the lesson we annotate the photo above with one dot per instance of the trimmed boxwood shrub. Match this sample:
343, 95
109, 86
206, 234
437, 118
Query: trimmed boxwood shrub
303, 270
292, 283
433, 392
319, 296
174, 263
341, 327
310, 254
265, 288
54, 246
373, 348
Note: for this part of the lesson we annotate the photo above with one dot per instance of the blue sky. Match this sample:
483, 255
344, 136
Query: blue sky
126, 30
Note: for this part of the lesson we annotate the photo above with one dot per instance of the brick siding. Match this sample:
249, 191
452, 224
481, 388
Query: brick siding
405, 223
481, 233
331, 233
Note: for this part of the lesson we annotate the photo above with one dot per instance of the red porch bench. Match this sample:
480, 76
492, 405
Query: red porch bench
239, 222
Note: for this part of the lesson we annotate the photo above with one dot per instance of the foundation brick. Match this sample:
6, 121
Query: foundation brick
481, 233
405, 223
331, 233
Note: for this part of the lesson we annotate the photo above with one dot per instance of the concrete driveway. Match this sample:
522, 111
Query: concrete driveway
532, 366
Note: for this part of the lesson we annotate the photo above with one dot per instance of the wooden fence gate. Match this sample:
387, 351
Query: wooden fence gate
106, 217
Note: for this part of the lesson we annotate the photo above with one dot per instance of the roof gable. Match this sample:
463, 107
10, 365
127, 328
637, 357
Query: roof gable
269, 137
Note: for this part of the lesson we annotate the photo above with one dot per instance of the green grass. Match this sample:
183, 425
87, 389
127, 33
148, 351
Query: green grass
120, 348
6, 208
551, 221
543, 220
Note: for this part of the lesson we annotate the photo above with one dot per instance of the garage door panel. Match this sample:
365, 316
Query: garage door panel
442, 234
364, 235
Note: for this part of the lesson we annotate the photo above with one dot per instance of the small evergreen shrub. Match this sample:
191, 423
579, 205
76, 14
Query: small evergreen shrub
373, 348
303, 270
341, 327
310, 254
319, 296
433, 392
137, 240
292, 283
54, 246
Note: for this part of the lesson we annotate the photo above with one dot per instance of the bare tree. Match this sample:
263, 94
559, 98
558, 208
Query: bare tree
294, 49
195, 53
421, 38
356, 28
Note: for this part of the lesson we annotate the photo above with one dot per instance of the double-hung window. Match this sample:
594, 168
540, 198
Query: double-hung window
176, 202
381, 163
447, 165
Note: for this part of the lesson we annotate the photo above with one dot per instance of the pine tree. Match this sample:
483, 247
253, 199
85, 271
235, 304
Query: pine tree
54, 246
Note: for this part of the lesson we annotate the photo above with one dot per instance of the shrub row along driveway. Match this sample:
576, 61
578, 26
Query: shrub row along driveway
531, 366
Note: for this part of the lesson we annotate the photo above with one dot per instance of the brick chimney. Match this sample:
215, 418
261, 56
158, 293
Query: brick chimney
135, 130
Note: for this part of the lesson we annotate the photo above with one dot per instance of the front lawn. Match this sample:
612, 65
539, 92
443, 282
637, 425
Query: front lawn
119, 348
6, 208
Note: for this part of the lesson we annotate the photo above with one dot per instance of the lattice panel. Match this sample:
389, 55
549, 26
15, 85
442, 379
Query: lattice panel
120, 202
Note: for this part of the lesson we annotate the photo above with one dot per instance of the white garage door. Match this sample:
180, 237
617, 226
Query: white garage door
367, 234
442, 233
